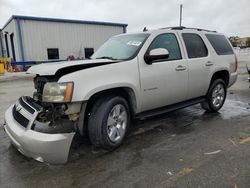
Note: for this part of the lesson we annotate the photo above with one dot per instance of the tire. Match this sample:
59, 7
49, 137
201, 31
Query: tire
108, 122
216, 96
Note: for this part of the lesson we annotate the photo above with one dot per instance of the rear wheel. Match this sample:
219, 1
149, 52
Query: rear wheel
108, 122
216, 96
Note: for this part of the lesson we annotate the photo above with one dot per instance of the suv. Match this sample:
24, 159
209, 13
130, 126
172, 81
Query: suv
130, 76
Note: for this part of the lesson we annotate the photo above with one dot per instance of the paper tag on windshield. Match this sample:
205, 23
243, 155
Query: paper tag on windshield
134, 43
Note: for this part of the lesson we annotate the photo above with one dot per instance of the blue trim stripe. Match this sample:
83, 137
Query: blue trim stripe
19, 32
63, 21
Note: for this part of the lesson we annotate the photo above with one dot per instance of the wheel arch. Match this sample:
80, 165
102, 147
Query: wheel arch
126, 92
222, 74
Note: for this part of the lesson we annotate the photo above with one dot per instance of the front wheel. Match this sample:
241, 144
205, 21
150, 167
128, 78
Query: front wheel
108, 122
216, 96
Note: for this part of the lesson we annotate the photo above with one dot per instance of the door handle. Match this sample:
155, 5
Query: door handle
180, 68
209, 63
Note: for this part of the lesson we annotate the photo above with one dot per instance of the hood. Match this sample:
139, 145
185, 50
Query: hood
65, 67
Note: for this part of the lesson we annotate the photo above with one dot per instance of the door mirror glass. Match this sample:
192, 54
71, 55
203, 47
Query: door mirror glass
156, 54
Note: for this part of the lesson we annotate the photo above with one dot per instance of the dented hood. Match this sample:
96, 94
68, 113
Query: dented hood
46, 69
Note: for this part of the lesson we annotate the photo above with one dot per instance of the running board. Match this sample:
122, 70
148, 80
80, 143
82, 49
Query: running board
169, 108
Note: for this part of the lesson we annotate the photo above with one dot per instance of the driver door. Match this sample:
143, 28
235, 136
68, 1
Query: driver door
164, 81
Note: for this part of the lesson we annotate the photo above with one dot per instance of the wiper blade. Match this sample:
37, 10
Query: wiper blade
106, 57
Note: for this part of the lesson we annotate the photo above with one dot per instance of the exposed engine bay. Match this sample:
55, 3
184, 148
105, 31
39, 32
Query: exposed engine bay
53, 117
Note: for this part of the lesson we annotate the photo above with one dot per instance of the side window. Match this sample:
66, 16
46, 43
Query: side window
169, 42
220, 44
195, 46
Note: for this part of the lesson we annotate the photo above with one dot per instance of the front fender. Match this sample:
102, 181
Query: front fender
91, 81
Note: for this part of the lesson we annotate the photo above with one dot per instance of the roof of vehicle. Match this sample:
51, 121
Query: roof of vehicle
189, 28
180, 28
176, 28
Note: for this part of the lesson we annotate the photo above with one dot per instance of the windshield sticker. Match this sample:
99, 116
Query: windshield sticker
134, 43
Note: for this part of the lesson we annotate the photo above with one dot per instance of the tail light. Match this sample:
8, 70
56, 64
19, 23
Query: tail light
236, 62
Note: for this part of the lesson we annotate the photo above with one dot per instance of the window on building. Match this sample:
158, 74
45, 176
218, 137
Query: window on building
195, 46
169, 42
53, 53
88, 52
220, 44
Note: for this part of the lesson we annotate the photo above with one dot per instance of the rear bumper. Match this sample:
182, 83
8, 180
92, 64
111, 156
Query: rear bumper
43, 147
232, 79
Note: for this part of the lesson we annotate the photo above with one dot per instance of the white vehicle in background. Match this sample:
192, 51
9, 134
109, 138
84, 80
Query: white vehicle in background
130, 76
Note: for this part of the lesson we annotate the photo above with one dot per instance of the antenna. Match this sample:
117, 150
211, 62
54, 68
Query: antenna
181, 14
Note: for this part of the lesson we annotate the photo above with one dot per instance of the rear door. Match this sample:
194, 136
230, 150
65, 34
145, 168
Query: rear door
225, 57
165, 81
199, 64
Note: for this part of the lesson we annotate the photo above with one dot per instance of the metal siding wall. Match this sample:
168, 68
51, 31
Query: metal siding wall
68, 37
11, 28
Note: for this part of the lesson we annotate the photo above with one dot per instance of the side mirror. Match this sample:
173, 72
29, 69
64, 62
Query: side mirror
156, 54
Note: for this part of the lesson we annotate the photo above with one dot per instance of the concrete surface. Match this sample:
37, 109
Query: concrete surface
185, 148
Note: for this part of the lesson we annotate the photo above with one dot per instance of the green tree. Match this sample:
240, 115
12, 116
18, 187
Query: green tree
234, 40
248, 42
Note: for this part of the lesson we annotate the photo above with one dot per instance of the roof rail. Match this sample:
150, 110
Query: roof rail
182, 28
178, 28
199, 29
174, 27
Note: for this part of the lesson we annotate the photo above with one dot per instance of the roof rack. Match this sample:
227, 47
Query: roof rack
199, 29
182, 28
174, 28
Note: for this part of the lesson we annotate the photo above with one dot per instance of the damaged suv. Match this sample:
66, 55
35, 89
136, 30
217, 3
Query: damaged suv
130, 76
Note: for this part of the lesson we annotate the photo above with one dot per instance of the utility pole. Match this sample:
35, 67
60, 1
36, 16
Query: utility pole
181, 14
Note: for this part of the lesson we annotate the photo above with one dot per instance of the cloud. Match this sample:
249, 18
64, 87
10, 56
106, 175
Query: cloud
227, 16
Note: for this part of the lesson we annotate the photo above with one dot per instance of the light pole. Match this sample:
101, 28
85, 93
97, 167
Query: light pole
181, 14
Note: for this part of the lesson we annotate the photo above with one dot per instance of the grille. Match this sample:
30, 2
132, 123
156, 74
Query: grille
26, 106
20, 118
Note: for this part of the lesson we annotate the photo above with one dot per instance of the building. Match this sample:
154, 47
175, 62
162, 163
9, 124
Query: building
1, 44
25, 38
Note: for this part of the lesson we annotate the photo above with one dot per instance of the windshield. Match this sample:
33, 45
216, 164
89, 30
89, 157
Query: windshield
121, 47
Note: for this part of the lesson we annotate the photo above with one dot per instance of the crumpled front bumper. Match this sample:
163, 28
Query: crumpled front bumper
43, 147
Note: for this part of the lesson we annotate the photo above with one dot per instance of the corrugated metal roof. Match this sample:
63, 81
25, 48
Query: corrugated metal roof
63, 21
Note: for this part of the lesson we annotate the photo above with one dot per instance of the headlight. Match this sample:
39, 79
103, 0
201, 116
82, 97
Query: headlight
58, 92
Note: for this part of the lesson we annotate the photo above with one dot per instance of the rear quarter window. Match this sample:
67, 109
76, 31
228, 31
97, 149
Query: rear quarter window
220, 44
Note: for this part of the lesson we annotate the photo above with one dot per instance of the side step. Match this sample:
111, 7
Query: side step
169, 108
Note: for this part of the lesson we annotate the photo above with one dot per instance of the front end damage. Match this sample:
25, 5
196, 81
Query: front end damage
40, 130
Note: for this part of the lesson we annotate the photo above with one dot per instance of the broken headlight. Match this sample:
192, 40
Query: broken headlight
58, 92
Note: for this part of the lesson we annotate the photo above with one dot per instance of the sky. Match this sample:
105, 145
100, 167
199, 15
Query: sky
230, 17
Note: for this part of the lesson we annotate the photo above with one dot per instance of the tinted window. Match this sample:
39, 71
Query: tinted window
169, 42
194, 45
220, 44
53, 53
